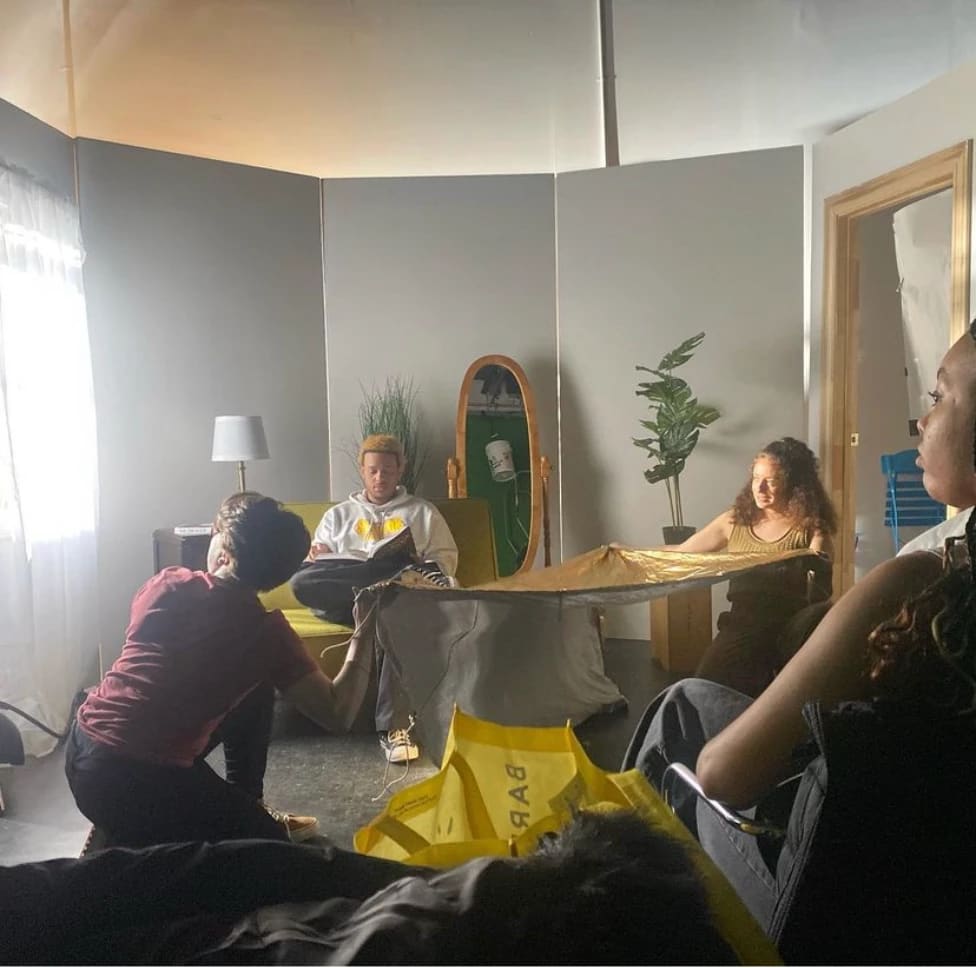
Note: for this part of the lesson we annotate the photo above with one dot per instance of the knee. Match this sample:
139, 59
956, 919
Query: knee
800, 627
299, 582
696, 692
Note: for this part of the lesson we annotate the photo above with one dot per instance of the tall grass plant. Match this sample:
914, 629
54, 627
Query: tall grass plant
392, 409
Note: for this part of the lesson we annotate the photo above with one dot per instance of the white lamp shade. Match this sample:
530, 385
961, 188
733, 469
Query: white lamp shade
239, 438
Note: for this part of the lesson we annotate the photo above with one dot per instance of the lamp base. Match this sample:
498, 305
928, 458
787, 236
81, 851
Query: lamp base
675, 534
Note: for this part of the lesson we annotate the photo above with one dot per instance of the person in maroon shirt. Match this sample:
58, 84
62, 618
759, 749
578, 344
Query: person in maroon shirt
201, 661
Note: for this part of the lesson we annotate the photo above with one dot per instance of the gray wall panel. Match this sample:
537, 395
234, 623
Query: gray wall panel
204, 297
425, 275
37, 148
649, 255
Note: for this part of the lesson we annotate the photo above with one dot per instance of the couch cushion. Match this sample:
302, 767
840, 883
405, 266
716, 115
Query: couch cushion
469, 519
326, 643
304, 622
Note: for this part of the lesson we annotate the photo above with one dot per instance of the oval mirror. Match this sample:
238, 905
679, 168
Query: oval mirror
497, 458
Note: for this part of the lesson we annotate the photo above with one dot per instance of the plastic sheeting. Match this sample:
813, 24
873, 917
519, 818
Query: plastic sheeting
526, 650
923, 234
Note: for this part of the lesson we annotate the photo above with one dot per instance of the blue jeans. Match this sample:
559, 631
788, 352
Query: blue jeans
673, 729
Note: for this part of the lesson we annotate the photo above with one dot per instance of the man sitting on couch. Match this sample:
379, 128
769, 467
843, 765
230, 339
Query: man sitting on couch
373, 536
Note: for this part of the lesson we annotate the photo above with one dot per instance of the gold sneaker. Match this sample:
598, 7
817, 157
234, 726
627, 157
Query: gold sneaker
299, 828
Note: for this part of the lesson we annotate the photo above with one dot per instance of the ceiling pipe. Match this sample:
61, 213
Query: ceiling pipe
611, 145
69, 68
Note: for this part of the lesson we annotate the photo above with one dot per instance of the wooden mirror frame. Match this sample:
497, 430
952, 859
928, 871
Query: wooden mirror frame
457, 475
949, 168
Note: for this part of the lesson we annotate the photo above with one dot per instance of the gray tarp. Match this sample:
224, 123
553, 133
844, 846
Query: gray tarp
525, 650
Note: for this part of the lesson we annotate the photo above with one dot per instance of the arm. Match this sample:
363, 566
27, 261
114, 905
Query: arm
823, 544
713, 537
324, 539
334, 703
753, 752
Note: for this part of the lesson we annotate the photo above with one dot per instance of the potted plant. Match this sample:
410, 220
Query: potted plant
393, 410
676, 420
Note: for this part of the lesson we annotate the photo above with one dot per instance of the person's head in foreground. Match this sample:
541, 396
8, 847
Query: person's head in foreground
606, 889
927, 654
256, 542
381, 466
785, 481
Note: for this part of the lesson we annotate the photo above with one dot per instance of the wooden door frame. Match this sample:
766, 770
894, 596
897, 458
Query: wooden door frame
949, 168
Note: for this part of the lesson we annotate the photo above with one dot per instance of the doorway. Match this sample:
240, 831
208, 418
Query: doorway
846, 220
902, 325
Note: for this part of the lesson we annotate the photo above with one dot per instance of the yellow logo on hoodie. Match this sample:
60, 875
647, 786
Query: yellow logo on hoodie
378, 530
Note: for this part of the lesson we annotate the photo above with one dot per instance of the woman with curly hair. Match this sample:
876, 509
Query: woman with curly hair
782, 507
890, 677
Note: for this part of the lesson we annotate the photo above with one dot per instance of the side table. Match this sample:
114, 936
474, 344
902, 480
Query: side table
188, 550
681, 629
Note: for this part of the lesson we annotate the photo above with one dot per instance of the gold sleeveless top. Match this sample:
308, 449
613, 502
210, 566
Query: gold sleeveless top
743, 539
772, 595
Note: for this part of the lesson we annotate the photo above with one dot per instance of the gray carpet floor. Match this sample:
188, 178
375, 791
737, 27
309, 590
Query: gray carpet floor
341, 780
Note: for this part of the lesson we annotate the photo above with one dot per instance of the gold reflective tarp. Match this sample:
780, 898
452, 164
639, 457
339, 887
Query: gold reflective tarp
615, 573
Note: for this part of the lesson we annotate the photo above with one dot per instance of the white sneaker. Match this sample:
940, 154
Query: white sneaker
429, 572
398, 746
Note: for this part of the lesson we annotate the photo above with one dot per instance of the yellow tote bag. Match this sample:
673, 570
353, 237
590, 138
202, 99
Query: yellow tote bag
501, 787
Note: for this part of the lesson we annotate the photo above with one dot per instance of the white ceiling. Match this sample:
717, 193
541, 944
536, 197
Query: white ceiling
698, 77
342, 88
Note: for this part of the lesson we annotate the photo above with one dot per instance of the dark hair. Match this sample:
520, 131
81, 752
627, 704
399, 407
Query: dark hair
807, 502
926, 655
607, 889
266, 542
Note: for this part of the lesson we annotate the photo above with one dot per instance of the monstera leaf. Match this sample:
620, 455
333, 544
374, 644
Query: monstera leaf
677, 419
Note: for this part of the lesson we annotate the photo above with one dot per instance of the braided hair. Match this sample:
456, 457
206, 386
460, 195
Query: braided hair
808, 505
926, 655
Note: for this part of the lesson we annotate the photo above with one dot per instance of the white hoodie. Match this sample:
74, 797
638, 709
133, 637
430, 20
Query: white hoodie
357, 526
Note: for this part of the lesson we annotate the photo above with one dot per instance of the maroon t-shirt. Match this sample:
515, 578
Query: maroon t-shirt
194, 648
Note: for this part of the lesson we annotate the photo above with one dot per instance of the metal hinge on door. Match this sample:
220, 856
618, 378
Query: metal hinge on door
855, 440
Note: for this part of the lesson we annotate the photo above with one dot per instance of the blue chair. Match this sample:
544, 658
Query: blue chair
907, 503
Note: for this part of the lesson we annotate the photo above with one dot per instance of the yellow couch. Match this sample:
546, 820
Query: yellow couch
470, 522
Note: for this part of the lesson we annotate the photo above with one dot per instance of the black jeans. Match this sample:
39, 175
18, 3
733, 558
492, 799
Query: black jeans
329, 588
138, 803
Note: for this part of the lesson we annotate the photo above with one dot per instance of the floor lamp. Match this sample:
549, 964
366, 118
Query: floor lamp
239, 439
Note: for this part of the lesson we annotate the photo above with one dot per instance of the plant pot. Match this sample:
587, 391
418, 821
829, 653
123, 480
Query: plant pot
676, 533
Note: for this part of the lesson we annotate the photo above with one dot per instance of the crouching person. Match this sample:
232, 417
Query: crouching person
201, 662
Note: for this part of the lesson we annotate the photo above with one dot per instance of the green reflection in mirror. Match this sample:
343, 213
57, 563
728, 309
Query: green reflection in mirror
510, 500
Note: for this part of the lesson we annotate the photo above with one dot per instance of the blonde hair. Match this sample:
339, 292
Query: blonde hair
382, 444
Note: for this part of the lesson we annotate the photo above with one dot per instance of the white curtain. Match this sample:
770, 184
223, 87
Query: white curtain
48, 463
